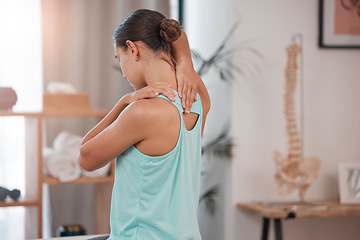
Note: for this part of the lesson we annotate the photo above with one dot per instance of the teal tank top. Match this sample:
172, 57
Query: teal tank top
156, 198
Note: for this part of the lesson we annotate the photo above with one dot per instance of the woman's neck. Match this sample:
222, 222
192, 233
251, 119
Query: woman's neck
159, 70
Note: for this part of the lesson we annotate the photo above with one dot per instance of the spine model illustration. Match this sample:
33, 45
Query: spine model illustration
294, 141
293, 171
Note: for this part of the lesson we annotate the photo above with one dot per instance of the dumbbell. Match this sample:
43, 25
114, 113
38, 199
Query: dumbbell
14, 194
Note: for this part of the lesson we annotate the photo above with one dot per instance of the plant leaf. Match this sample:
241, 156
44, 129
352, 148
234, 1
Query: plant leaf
209, 198
221, 146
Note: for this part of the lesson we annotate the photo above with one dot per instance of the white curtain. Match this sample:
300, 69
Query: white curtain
78, 49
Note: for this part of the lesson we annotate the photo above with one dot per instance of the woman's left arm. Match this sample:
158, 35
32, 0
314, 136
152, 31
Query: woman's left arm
146, 92
98, 147
186, 75
127, 129
108, 119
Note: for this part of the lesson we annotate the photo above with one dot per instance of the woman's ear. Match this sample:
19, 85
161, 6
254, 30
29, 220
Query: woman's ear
134, 49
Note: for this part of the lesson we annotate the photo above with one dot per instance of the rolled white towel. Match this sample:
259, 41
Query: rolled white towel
62, 166
66, 142
101, 172
47, 152
61, 87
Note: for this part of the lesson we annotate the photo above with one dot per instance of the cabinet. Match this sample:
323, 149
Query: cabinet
34, 123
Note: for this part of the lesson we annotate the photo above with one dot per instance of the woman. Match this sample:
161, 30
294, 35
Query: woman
156, 144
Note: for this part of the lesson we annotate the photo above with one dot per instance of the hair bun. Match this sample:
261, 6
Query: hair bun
170, 30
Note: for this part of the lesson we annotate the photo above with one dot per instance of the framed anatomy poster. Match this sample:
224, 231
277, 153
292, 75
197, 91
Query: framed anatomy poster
339, 23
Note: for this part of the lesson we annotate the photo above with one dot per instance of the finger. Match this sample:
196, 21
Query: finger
193, 96
180, 87
185, 89
146, 94
186, 108
155, 93
172, 91
183, 99
188, 100
169, 93
166, 91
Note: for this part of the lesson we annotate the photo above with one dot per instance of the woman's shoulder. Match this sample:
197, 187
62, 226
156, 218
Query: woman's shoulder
152, 108
158, 120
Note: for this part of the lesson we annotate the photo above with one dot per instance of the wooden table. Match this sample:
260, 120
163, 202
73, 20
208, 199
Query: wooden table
279, 211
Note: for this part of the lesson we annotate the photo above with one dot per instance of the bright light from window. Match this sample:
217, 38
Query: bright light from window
20, 51
21, 69
174, 9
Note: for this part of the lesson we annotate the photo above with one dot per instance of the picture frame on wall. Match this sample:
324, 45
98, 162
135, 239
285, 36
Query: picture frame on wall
339, 23
349, 183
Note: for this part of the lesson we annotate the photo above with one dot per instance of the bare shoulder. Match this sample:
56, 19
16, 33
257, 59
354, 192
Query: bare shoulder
150, 110
158, 122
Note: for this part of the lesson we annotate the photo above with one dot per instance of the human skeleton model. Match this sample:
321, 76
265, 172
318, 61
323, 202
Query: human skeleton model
293, 171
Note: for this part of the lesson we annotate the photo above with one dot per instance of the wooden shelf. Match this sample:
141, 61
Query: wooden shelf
102, 192
83, 113
55, 113
19, 203
81, 180
21, 114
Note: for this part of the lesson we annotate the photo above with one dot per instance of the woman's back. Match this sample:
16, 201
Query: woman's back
164, 131
156, 197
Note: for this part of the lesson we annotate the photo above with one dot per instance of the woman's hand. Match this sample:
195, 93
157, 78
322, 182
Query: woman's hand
187, 80
153, 91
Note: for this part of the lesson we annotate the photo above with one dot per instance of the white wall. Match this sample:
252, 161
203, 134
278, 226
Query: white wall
206, 23
332, 117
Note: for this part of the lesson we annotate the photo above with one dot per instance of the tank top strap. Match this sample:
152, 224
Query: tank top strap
177, 102
196, 107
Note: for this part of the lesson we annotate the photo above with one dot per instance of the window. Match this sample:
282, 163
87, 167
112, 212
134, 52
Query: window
21, 69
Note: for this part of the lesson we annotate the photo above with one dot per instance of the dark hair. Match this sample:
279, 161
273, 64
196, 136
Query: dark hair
150, 27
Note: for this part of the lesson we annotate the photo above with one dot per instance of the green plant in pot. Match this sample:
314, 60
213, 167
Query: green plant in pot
223, 62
